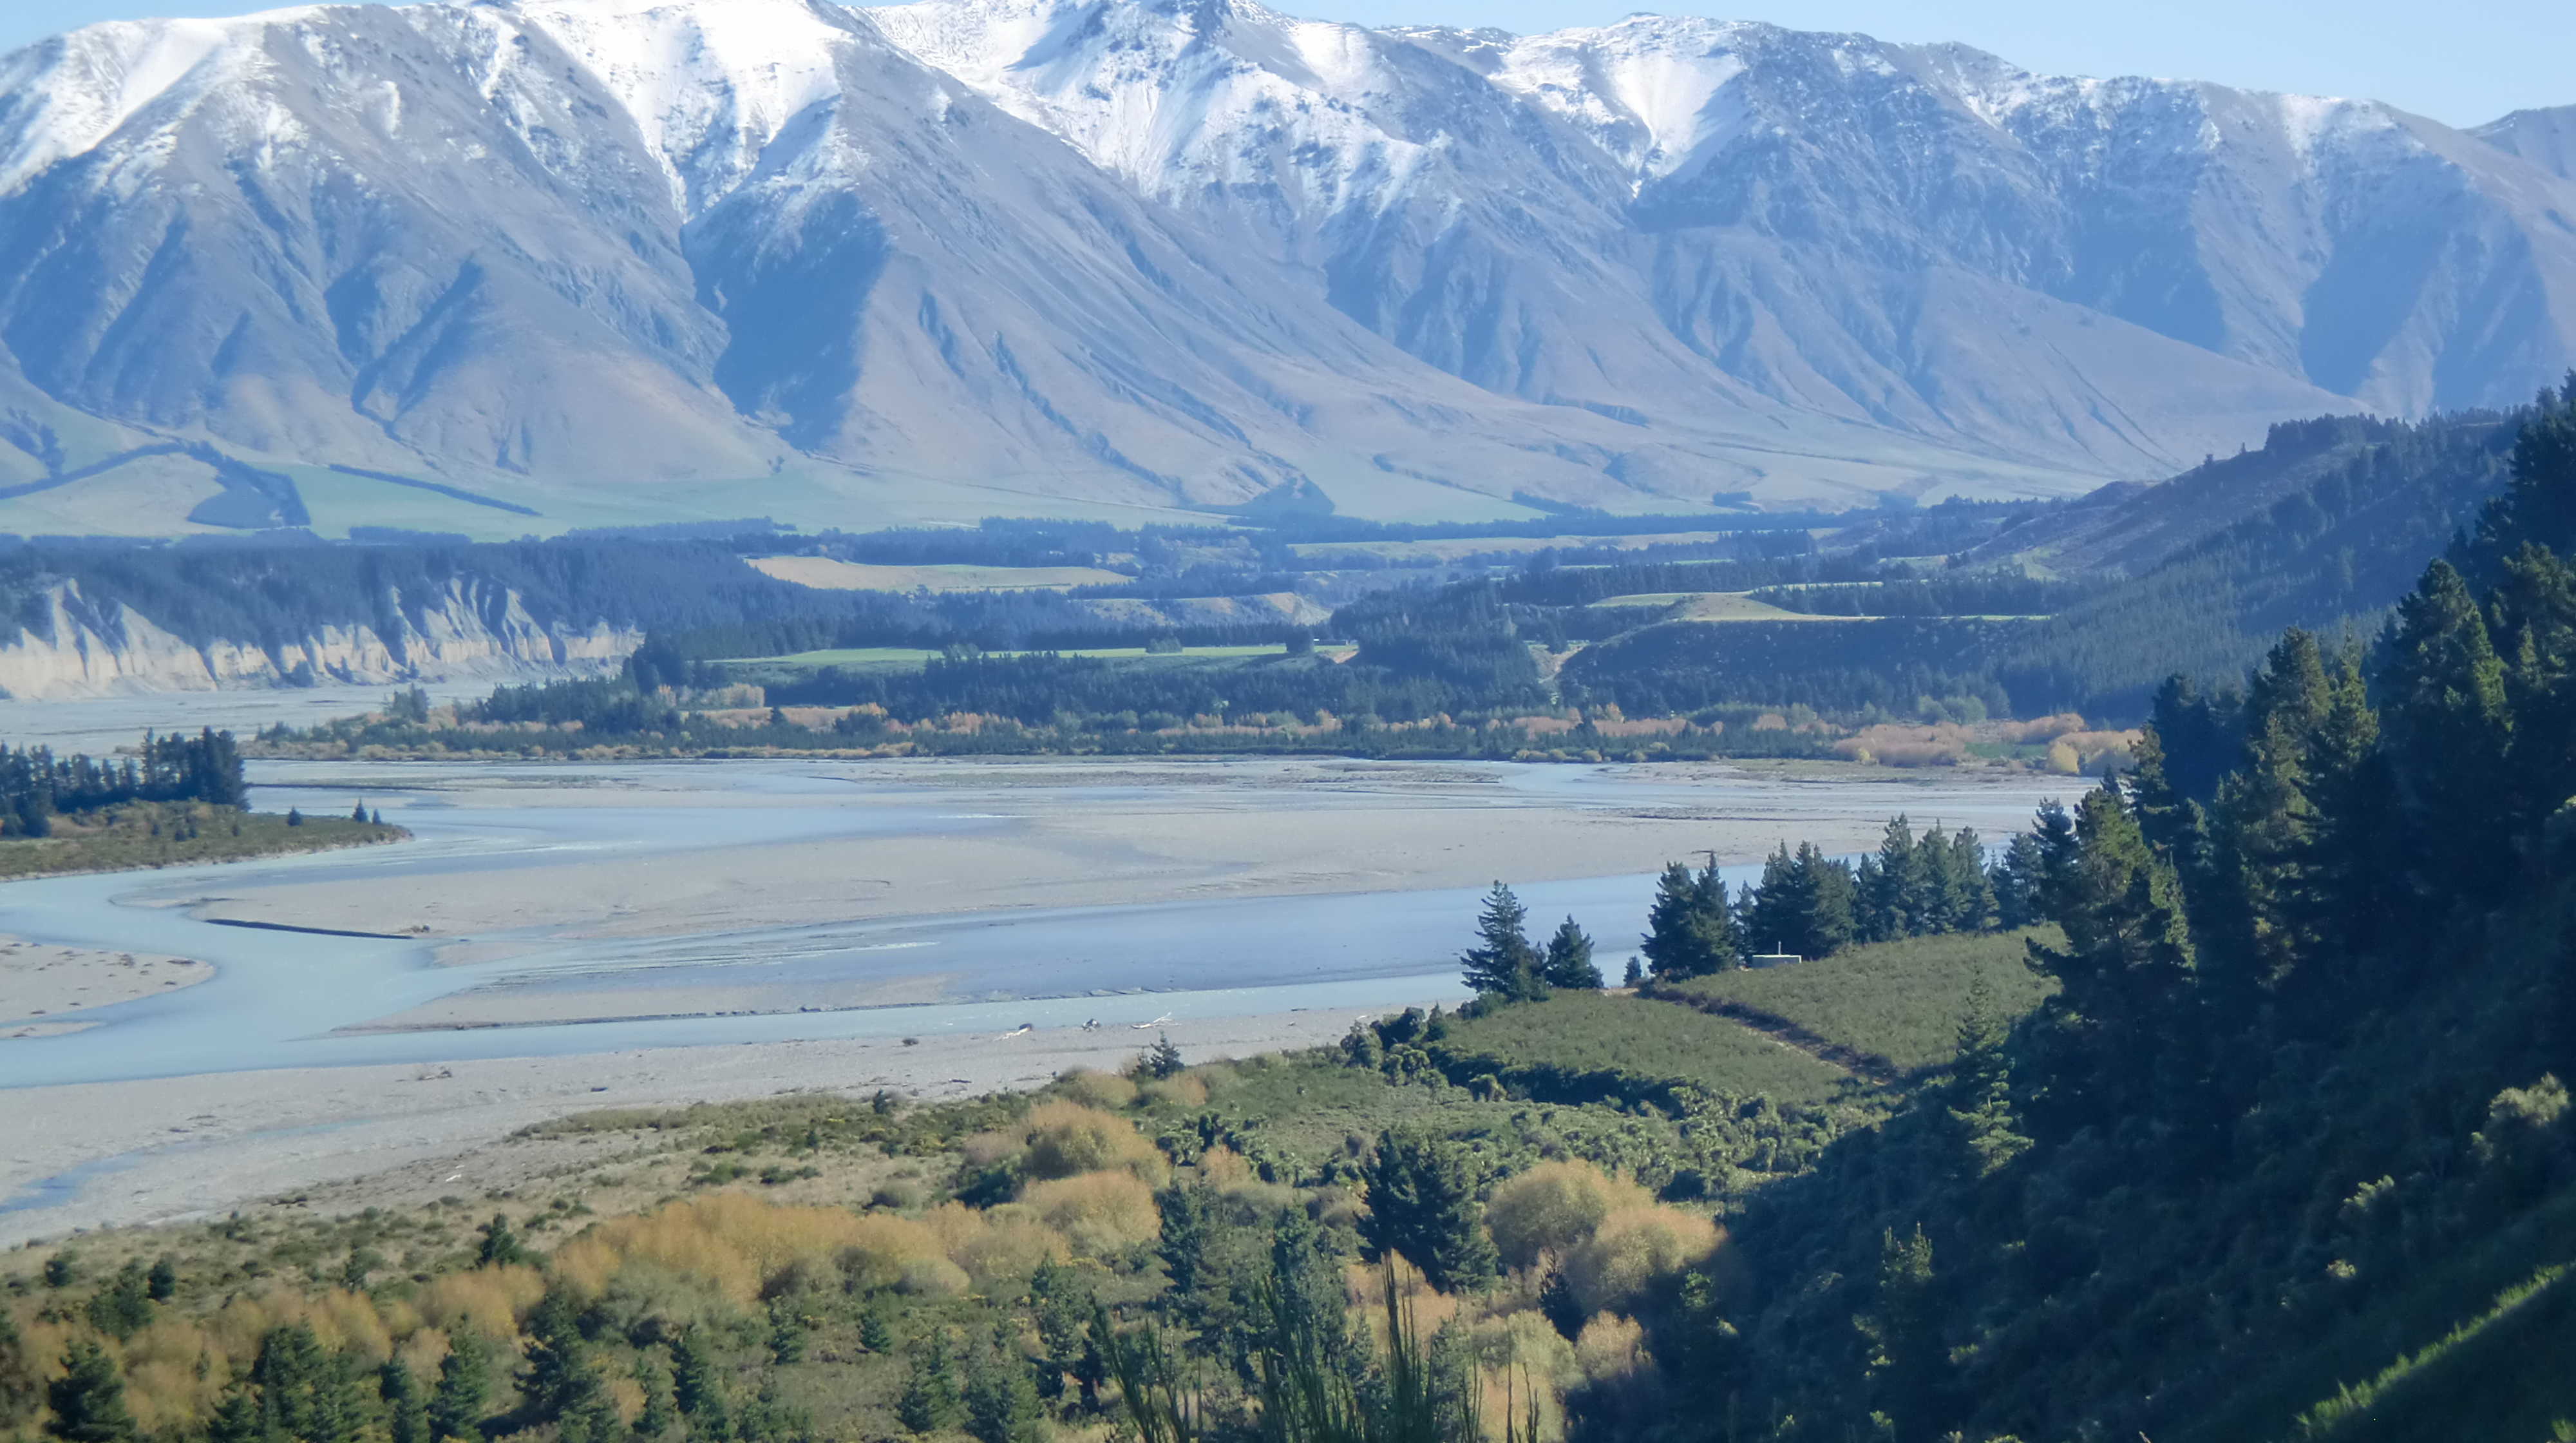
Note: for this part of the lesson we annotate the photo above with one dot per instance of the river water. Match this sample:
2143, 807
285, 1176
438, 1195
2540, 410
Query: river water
292, 999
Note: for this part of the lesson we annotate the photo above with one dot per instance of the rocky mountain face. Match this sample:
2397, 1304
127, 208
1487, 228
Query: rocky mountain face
1025, 254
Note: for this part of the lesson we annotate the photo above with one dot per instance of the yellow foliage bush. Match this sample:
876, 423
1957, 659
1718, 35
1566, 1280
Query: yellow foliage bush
1066, 1138
1611, 1349
1181, 1091
1001, 1245
1631, 1248
1222, 1167
1099, 1089
738, 1244
1555, 1206
1103, 1214
987, 1148
491, 1300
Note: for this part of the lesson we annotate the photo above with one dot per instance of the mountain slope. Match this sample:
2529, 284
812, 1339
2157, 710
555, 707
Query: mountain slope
976, 256
2546, 138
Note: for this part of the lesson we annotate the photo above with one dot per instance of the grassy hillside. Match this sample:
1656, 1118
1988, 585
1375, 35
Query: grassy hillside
1579, 1044
1899, 1005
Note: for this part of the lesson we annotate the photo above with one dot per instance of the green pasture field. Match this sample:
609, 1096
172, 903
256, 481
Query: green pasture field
1900, 1002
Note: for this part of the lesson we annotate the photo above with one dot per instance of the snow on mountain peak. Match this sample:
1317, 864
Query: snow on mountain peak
709, 85
1180, 98
65, 96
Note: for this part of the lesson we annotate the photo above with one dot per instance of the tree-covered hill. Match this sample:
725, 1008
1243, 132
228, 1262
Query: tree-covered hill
2288, 1152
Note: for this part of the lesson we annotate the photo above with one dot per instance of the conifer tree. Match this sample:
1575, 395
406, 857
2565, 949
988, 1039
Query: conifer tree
2124, 976
307, 1393
1772, 912
463, 1395
1971, 889
1909, 1366
1062, 1300
87, 1402
1888, 908
2534, 621
406, 1406
236, 1418
500, 1246
694, 1384
122, 1307
1422, 1204
2449, 732
162, 1283
1569, 960
2016, 883
1503, 965
1979, 1101
930, 1400
661, 1411
1001, 1396
1691, 927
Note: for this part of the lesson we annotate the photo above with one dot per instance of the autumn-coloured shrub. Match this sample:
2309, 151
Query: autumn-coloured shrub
1554, 1206
1001, 1245
1094, 1088
1611, 1349
1102, 1214
1181, 1091
1631, 1249
1066, 1138
491, 1300
737, 1244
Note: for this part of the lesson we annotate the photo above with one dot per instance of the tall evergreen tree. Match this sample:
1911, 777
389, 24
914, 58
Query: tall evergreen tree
2016, 883
1001, 1395
2449, 732
557, 1378
2108, 1035
1568, 961
462, 1398
930, 1400
1889, 907
1503, 964
2533, 617
1971, 889
307, 1393
87, 1402
1690, 928
236, 1418
1422, 1204
406, 1405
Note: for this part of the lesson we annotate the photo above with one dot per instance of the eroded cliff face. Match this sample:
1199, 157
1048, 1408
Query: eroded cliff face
78, 648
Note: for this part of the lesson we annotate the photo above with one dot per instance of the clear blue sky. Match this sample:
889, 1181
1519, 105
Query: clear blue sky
2460, 61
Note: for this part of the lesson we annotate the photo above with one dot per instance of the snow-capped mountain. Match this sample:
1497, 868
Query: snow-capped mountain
970, 256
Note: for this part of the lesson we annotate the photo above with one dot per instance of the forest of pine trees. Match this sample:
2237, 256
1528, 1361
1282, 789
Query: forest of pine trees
36, 786
1805, 905
2316, 990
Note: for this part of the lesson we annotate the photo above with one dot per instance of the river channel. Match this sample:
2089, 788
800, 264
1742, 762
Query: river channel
1190, 940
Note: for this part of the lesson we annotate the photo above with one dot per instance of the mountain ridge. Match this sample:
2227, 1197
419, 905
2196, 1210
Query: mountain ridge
965, 257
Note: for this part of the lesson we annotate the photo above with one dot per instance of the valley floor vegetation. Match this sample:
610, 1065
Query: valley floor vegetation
178, 800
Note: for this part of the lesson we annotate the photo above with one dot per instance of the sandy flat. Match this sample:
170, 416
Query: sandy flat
42, 981
200, 1146
1168, 833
